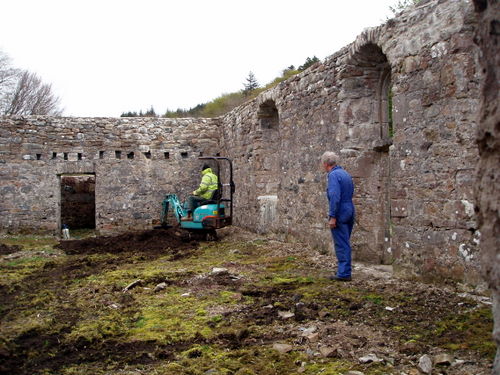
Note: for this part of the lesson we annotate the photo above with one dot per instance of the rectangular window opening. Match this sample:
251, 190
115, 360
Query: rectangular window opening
118, 154
38, 156
101, 154
184, 155
166, 155
80, 156
54, 155
130, 155
147, 155
65, 156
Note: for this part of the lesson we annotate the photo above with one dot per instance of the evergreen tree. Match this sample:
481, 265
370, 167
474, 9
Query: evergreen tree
309, 61
251, 84
150, 113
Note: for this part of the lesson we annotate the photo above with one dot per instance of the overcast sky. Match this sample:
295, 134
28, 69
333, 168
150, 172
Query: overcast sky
105, 57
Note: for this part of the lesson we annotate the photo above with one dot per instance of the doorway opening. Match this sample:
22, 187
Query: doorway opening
78, 201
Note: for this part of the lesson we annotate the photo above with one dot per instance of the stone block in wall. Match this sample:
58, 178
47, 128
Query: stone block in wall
268, 212
399, 208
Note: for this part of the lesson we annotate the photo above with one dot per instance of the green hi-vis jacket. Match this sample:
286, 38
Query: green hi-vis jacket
209, 184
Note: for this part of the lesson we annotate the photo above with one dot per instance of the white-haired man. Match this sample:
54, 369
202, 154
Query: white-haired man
340, 190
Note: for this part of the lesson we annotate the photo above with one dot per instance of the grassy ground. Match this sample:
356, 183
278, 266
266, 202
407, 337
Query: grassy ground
269, 310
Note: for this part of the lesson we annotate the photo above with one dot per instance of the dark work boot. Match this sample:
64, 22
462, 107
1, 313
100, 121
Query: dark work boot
338, 278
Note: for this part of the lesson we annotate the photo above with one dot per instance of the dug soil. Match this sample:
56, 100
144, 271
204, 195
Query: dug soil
146, 242
154, 302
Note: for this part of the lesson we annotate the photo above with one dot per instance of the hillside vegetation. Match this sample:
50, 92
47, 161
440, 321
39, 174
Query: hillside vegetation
226, 102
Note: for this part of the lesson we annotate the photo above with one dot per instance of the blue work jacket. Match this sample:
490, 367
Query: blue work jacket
339, 192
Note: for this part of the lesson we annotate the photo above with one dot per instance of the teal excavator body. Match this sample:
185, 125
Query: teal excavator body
210, 215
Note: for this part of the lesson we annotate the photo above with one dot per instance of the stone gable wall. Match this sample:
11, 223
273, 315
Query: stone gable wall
414, 190
36, 151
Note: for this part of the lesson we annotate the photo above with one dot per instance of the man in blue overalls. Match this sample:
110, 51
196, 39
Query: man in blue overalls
341, 213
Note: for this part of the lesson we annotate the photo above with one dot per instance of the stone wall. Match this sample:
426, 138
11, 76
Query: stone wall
399, 105
413, 161
136, 161
488, 186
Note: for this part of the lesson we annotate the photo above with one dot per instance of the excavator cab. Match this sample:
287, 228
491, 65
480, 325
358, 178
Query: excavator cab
212, 214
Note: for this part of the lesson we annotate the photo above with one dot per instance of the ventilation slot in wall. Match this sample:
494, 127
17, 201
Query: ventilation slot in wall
101, 154
80, 156
184, 155
65, 156
118, 154
147, 154
54, 155
166, 155
130, 155
38, 156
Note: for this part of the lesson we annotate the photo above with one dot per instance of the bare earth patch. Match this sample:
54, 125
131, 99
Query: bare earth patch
154, 303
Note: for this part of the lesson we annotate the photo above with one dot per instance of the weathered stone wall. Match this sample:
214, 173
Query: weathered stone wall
135, 161
414, 175
488, 186
399, 105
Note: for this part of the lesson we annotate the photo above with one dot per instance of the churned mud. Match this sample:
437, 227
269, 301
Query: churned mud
5, 249
154, 302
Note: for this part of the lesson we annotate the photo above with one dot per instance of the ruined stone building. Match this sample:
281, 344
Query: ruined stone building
399, 104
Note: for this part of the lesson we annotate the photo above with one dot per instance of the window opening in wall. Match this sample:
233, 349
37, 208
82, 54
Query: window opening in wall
80, 156
54, 155
268, 115
78, 201
147, 154
389, 109
38, 156
166, 155
118, 154
101, 154
201, 153
130, 155
217, 154
65, 156
385, 95
184, 155
371, 72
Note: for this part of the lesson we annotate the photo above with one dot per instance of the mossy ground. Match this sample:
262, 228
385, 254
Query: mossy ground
69, 314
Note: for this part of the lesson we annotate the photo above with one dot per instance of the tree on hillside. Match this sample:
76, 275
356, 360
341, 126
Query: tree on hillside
24, 93
150, 113
309, 61
251, 84
129, 114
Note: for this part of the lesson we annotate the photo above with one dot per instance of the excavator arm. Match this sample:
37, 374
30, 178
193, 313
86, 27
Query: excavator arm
171, 200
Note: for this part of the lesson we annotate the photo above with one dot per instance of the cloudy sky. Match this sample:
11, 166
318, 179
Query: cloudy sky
105, 57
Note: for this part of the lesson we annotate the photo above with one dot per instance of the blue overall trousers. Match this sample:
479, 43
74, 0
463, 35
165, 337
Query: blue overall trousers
339, 192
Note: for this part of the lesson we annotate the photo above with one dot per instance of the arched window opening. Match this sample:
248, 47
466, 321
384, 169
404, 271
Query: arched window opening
268, 115
369, 114
385, 105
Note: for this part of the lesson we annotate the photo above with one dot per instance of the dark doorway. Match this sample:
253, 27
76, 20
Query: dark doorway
78, 201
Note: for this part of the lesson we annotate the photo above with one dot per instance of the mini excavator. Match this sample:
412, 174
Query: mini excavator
212, 214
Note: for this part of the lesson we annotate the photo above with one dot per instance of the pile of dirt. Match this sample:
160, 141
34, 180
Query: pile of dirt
151, 241
5, 249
